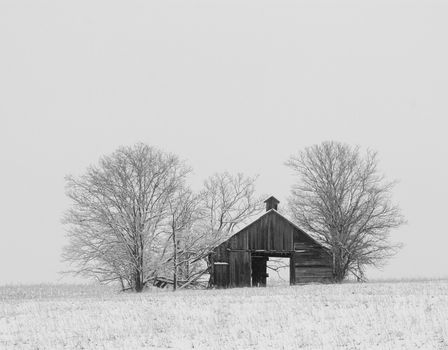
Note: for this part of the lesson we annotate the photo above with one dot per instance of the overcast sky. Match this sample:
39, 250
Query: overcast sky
226, 85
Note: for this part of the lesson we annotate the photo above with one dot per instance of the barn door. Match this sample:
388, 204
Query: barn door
239, 266
259, 271
221, 274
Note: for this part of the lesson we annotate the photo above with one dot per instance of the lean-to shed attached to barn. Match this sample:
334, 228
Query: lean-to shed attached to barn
241, 261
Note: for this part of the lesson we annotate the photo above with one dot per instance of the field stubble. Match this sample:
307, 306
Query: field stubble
399, 315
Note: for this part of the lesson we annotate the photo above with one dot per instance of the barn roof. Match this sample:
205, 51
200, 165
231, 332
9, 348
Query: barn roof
274, 212
272, 198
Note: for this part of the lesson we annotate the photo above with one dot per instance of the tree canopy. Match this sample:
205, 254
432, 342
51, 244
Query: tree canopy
134, 219
343, 201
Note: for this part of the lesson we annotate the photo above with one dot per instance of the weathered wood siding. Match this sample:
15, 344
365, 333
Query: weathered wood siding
272, 235
312, 264
240, 269
222, 275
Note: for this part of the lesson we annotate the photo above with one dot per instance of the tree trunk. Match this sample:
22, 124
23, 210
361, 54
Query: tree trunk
339, 270
174, 261
138, 282
210, 268
187, 268
139, 249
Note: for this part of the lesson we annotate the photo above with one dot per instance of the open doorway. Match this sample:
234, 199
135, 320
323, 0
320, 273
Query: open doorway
278, 272
259, 273
268, 270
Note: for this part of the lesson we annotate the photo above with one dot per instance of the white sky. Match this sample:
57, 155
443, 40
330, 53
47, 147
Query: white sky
227, 85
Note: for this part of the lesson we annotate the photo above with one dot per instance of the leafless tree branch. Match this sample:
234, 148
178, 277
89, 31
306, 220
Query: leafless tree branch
345, 203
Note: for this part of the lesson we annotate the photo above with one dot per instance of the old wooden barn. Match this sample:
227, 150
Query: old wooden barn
241, 261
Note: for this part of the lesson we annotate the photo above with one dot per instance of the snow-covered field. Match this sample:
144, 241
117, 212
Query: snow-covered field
382, 315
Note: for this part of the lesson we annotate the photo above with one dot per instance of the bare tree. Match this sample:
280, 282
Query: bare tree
198, 223
184, 211
229, 201
342, 200
119, 210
